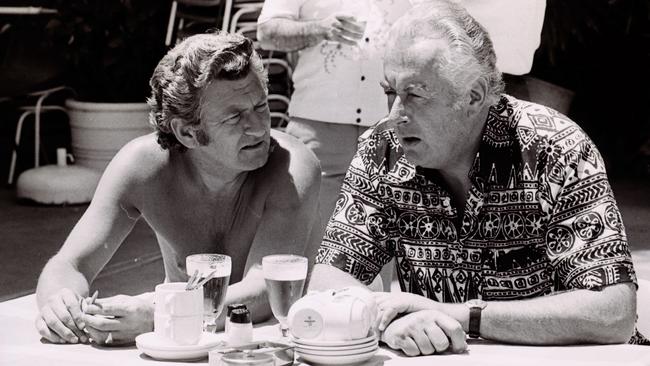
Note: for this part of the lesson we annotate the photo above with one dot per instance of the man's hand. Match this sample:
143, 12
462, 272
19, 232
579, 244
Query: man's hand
391, 304
342, 28
118, 320
61, 319
425, 332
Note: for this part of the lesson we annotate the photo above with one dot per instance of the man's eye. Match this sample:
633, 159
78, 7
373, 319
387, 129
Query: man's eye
261, 107
232, 119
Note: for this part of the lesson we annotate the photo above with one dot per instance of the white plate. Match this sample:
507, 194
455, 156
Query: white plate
337, 352
337, 360
314, 342
337, 348
153, 346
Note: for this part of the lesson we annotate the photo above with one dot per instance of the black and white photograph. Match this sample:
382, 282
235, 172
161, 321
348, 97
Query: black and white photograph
325, 182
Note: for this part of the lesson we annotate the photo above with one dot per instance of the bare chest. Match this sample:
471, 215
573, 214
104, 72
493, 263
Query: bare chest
189, 225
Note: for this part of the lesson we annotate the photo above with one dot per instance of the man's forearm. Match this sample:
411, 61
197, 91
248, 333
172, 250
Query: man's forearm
580, 316
58, 274
252, 292
290, 35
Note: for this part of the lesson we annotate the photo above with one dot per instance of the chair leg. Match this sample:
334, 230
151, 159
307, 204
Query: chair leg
170, 25
14, 154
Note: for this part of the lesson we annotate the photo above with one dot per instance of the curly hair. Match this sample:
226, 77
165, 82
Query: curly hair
182, 74
471, 53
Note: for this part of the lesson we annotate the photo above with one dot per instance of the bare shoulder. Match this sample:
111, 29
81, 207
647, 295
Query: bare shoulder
292, 167
138, 163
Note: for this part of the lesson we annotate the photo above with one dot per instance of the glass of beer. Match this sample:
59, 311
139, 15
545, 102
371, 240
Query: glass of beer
285, 279
214, 291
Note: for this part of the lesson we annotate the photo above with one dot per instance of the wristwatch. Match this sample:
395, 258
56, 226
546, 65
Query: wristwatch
475, 307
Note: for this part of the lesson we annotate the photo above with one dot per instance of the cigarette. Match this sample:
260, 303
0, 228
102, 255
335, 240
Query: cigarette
88, 301
93, 298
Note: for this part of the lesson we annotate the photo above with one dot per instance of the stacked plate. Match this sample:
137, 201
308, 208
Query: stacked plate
336, 352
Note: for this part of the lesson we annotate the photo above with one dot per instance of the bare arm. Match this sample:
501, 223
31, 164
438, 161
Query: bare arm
290, 35
326, 277
90, 245
286, 227
572, 317
293, 35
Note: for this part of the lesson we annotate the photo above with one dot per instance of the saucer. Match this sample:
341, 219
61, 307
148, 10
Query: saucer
337, 351
313, 342
338, 359
152, 345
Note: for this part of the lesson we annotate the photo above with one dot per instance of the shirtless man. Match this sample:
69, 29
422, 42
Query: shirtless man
213, 178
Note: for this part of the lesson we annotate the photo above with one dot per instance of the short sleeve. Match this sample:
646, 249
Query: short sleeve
586, 239
355, 237
287, 9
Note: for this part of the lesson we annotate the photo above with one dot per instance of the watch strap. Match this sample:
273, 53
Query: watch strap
475, 321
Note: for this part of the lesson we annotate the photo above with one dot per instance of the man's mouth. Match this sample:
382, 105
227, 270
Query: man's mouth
254, 145
407, 141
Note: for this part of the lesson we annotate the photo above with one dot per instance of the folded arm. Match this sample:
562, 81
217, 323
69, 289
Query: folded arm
571, 317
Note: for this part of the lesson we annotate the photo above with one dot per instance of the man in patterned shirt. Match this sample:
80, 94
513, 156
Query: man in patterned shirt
477, 195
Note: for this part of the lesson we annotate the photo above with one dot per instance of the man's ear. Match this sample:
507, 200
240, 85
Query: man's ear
477, 97
185, 133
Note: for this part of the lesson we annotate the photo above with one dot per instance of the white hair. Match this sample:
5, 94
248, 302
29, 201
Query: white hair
470, 55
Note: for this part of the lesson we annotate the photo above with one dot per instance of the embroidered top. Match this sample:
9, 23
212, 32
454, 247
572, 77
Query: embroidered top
540, 215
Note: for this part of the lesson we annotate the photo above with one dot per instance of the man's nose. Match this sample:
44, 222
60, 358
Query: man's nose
397, 113
255, 124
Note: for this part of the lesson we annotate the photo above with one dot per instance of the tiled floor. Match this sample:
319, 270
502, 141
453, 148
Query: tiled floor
30, 234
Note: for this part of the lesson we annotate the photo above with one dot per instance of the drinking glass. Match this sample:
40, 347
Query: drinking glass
360, 10
214, 291
285, 279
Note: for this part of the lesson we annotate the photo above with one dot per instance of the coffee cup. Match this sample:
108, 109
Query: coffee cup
172, 299
178, 314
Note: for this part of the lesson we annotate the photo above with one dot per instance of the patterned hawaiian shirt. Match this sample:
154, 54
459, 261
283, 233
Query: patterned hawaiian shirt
540, 215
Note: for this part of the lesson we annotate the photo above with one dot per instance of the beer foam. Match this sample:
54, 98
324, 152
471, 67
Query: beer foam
280, 268
205, 265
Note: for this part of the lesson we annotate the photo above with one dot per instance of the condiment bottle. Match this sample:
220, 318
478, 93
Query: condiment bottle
230, 308
240, 330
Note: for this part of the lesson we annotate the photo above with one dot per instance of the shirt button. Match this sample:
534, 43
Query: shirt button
367, 39
358, 120
358, 110
459, 260
363, 78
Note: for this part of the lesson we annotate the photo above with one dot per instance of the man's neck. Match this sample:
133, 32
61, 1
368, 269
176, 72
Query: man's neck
213, 179
456, 174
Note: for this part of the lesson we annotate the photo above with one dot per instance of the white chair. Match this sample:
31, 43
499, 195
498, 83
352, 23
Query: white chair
36, 110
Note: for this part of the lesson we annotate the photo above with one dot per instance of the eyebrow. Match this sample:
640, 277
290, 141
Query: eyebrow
410, 87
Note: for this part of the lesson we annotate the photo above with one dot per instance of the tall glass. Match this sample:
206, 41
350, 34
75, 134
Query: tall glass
285, 279
360, 10
214, 291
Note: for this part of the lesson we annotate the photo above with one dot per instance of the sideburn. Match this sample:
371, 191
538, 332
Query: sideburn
201, 137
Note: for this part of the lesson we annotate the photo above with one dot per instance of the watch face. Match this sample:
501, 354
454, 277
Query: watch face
476, 303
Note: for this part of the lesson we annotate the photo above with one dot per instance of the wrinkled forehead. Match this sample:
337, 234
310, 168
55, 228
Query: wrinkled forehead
420, 58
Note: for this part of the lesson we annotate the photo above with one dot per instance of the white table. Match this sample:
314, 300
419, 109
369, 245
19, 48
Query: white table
20, 345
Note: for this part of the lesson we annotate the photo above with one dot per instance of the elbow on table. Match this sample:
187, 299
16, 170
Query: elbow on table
618, 322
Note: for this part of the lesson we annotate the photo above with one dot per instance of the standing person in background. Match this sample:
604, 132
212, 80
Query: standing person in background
515, 28
337, 94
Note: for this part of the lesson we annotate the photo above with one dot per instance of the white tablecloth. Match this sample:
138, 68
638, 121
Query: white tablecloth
20, 345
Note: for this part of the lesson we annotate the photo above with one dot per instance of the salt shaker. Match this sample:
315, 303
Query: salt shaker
232, 307
240, 330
